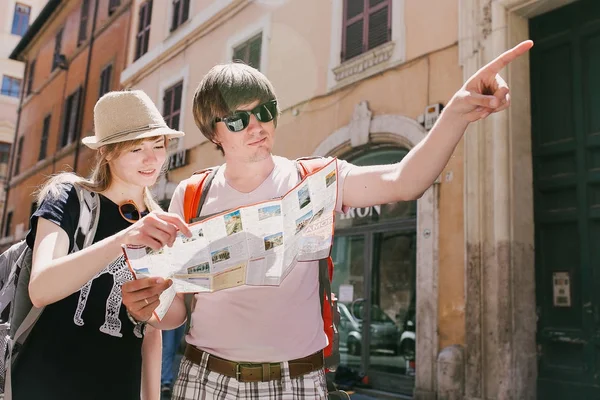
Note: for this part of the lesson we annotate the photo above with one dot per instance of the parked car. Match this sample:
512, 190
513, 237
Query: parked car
385, 334
406, 347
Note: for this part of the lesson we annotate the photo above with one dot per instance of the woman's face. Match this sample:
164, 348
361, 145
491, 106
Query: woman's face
141, 164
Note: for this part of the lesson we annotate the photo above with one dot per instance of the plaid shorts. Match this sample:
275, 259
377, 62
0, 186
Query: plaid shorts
196, 382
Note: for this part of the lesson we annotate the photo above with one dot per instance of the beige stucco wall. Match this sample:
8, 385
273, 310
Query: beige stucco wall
430, 25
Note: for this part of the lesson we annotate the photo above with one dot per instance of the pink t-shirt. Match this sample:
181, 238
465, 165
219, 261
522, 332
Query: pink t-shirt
260, 323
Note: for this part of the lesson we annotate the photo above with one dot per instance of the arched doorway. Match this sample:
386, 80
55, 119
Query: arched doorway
375, 251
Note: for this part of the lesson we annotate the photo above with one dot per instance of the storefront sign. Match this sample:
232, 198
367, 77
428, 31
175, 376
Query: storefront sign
177, 160
361, 212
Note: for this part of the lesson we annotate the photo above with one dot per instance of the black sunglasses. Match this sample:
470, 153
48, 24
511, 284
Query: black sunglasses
239, 120
130, 212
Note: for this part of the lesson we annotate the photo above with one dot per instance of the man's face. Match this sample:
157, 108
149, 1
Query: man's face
252, 144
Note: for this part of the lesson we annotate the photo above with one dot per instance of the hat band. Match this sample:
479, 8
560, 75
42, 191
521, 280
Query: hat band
134, 130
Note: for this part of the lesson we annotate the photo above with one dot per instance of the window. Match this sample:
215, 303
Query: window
70, 118
376, 271
181, 12
45, 134
143, 33
20, 19
249, 52
30, 75
4, 157
4, 152
11, 86
113, 5
105, 79
19, 154
7, 225
172, 105
83, 21
367, 24
56, 60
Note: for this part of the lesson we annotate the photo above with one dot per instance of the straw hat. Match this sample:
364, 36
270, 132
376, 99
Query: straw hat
126, 115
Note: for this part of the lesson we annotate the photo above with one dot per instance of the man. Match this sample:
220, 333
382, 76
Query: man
235, 108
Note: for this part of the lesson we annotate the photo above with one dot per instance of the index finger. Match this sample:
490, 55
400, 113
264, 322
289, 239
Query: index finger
177, 221
507, 57
140, 284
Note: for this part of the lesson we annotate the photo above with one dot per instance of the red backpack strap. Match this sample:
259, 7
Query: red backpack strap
194, 196
308, 165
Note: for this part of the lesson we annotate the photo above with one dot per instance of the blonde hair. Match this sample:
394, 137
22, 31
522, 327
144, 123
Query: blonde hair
101, 177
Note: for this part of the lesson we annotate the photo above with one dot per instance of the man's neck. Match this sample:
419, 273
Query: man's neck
247, 176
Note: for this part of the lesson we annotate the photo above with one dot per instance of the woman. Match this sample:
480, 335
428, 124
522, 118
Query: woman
85, 345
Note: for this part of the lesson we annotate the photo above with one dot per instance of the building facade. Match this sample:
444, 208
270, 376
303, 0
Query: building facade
19, 16
73, 54
481, 289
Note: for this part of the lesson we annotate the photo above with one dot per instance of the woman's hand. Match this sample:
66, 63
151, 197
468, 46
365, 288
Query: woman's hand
155, 230
141, 296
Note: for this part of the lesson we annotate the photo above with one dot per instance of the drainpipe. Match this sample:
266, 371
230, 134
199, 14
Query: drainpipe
14, 143
84, 89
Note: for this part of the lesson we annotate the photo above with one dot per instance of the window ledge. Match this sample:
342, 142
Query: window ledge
363, 65
9, 99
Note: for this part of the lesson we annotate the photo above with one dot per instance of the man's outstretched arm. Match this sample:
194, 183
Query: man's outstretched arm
483, 94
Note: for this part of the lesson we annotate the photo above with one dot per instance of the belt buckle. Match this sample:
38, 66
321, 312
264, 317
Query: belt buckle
238, 372
238, 369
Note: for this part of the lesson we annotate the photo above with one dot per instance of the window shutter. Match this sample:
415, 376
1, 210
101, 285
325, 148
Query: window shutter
143, 32
177, 91
353, 8
254, 49
30, 76
148, 13
176, 12
74, 115
138, 46
113, 5
17, 167
147, 26
57, 49
8, 226
167, 103
64, 124
185, 12
83, 22
45, 134
140, 30
378, 28
354, 40
108, 79
239, 53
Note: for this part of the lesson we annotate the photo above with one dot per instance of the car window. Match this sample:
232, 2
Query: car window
377, 314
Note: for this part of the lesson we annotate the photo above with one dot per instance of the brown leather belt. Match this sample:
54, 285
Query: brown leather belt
255, 372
